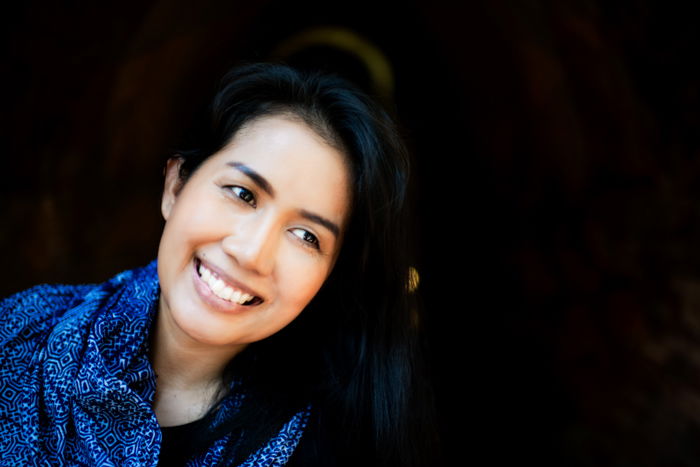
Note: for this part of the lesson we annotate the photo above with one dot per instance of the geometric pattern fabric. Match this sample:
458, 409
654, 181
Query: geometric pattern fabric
77, 386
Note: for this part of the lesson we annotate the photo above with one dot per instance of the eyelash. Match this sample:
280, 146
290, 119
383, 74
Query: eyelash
234, 189
308, 239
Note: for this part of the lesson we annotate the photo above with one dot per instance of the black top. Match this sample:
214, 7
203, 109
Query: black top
176, 448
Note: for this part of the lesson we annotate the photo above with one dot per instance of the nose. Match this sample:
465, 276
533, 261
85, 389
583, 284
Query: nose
253, 243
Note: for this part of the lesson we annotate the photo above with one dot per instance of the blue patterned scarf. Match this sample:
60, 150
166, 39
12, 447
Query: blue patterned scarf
76, 382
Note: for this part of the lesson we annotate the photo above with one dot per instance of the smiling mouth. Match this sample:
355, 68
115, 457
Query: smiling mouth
223, 290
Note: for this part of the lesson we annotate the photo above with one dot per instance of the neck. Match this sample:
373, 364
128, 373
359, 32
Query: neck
189, 373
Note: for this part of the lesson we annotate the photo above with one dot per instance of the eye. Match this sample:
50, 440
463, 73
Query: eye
245, 195
306, 237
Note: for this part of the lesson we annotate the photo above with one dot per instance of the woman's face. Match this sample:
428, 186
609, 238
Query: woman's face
252, 235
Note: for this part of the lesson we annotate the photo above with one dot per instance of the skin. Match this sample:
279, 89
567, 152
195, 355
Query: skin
274, 240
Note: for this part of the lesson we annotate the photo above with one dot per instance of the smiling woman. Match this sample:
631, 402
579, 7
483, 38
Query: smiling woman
254, 218
276, 326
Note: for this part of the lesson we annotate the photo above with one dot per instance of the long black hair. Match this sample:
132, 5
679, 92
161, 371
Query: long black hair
353, 354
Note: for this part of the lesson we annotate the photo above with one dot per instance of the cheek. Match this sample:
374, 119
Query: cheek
302, 283
193, 221
186, 229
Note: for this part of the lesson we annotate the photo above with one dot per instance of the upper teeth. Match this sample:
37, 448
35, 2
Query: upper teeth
221, 289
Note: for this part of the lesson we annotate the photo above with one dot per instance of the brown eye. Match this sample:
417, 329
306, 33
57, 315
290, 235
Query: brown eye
244, 194
307, 237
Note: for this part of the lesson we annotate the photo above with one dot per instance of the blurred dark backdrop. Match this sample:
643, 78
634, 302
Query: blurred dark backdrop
556, 188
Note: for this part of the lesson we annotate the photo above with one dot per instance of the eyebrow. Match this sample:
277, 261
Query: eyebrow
254, 176
332, 226
264, 185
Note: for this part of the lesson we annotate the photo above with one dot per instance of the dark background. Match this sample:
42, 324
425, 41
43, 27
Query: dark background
556, 190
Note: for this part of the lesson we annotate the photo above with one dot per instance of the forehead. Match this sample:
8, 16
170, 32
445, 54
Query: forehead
299, 164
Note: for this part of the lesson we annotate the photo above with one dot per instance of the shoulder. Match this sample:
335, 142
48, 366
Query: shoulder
44, 295
43, 305
37, 308
26, 319
63, 314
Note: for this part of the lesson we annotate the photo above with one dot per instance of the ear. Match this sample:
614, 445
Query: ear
173, 184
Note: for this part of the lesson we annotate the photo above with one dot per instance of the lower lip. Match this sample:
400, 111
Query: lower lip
208, 297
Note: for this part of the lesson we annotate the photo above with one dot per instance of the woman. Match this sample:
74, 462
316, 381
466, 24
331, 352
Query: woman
276, 326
